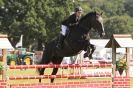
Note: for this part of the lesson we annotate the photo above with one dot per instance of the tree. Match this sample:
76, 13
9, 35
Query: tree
118, 25
128, 5
40, 21
30, 18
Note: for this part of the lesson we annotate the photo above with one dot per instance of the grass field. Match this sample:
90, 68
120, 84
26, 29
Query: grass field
32, 72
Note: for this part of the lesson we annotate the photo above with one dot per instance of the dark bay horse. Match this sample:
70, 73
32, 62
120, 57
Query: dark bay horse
77, 40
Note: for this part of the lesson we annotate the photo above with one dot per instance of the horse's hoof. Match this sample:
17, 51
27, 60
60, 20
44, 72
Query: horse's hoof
90, 57
39, 80
85, 55
52, 80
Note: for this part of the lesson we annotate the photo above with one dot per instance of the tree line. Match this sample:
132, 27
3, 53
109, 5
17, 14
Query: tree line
40, 20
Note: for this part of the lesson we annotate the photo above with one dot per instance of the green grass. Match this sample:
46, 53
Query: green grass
131, 80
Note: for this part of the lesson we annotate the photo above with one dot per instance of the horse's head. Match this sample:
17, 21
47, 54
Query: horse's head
93, 20
97, 23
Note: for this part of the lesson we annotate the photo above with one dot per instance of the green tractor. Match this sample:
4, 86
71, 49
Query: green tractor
20, 57
11, 58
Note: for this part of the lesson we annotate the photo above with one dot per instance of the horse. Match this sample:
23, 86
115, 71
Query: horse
76, 41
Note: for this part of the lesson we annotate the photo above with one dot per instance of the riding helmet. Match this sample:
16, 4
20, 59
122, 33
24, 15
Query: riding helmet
78, 9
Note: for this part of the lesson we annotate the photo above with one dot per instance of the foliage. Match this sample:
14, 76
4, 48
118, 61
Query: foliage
129, 7
30, 18
1, 67
118, 24
121, 64
43, 18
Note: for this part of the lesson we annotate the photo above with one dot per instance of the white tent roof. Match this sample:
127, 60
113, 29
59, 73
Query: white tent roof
4, 42
124, 42
121, 40
99, 42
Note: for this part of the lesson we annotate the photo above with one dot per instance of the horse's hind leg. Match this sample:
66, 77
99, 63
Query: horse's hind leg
45, 60
56, 60
41, 72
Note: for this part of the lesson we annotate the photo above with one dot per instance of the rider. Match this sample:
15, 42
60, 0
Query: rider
70, 22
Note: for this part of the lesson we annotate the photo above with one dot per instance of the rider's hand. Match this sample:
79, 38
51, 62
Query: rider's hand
74, 24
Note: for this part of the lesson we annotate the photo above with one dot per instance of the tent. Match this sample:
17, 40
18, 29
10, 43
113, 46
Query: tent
4, 42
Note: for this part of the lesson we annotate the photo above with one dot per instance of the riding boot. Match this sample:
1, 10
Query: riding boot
60, 41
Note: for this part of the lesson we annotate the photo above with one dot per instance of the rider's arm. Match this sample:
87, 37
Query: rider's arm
71, 21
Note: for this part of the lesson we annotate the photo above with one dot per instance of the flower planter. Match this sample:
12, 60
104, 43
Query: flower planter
121, 65
120, 70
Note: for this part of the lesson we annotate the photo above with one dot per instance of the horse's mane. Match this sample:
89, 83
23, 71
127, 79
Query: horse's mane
87, 15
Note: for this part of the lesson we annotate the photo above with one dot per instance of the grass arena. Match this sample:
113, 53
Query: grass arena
26, 77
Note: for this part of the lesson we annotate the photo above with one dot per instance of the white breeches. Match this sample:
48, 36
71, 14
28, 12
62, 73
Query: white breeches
64, 29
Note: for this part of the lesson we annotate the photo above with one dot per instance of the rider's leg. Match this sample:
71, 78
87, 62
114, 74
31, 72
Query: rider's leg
62, 36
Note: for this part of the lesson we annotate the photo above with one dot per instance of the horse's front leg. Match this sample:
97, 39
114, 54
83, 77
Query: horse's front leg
90, 50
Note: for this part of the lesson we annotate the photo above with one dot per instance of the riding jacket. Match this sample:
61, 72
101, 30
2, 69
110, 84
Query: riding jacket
71, 21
